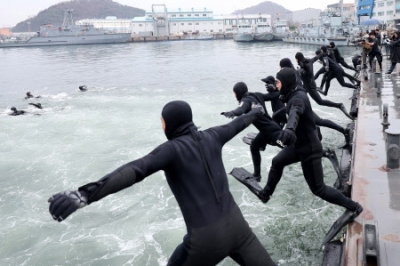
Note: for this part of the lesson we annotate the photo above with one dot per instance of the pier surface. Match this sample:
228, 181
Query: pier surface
374, 185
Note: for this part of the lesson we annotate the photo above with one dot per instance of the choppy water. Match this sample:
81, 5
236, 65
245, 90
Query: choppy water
79, 137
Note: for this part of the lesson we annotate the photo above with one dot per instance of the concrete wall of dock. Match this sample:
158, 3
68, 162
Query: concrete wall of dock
218, 36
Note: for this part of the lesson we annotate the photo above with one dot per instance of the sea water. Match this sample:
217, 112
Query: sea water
78, 137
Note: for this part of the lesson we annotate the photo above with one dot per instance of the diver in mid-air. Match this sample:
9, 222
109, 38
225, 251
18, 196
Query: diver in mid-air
269, 130
307, 76
193, 167
302, 144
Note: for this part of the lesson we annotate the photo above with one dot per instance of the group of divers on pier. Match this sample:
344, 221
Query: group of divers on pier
194, 169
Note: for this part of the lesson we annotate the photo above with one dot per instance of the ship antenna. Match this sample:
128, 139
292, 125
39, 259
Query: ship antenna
68, 20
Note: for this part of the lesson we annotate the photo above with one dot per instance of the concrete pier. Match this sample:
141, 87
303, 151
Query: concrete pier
218, 36
374, 237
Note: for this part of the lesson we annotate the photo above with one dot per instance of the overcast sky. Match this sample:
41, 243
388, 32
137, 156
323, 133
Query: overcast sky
14, 11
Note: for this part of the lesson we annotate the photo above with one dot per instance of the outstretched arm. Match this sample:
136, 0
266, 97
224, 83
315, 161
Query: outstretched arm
271, 96
244, 107
65, 203
228, 131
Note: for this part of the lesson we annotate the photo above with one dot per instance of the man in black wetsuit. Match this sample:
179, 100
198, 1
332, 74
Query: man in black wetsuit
192, 162
338, 57
307, 76
269, 129
17, 112
335, 71
276, 103
302, 145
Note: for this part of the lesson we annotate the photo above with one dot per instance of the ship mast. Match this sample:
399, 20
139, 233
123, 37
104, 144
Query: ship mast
68, 20
341, 12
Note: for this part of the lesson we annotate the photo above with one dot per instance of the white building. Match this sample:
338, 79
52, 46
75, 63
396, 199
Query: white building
109, 23
160, 21
386, 11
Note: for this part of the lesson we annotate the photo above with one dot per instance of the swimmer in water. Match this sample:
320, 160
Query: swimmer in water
29, 96
83, 88
17, 112
37, 105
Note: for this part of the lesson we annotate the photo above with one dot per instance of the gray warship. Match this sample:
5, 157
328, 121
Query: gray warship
67, 34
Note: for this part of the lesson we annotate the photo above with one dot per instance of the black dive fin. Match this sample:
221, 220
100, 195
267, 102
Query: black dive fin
252, 135
342, 221
247, 140
247, 179
331, 155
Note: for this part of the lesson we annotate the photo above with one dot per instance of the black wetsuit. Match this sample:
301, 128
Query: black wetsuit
18, 112
269, 129
335, 71
215, 225
307, 76
307, 150
276, 105
340, 59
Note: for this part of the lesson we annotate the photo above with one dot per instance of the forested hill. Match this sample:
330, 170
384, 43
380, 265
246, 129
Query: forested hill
266, 7
82, 9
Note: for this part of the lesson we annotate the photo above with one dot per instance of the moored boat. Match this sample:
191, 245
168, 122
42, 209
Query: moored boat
263, 32
244, 33
67, 34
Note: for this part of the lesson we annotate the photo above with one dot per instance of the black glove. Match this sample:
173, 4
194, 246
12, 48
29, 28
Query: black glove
257, 109
287, 137
65, 203
229, 114
270, 87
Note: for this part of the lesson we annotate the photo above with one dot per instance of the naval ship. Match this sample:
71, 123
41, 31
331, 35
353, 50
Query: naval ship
66, 34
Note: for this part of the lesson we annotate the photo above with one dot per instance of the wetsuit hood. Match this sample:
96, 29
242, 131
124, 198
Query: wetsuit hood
324, 49
285, 62
178, 117
13, 109
288, 79
240, 90
299, 56
332, 44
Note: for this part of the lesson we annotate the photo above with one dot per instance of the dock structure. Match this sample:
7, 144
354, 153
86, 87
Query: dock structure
217, 36
372, 167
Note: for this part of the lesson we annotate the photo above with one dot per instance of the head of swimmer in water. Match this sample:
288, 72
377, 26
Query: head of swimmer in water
176, 116
13, 109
